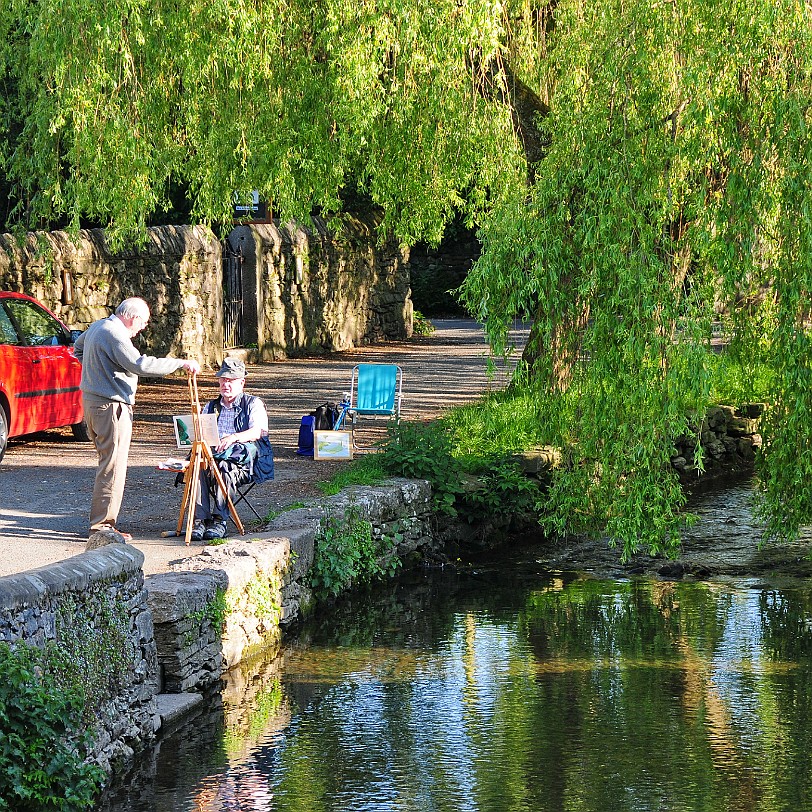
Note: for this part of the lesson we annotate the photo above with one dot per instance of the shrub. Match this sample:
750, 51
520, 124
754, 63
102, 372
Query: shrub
421, 326
41, 743
425, 451
345, 553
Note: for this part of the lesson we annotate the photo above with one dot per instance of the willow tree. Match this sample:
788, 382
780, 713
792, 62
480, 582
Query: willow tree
635, 169
674, 189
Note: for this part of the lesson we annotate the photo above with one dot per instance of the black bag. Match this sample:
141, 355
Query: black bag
325, 417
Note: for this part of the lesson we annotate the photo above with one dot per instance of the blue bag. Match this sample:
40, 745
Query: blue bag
263, 464
305, 448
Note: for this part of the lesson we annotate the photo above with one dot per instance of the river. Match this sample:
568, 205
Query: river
505, 686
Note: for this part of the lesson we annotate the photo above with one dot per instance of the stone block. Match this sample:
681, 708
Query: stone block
741, 426
175, 595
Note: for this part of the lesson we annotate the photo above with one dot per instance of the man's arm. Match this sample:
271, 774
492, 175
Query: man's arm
125, 354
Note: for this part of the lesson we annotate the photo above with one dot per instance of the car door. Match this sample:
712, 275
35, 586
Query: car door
13, 375
47, 372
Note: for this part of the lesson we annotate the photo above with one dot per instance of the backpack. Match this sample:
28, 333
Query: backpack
325, 417
263, 464
306, 436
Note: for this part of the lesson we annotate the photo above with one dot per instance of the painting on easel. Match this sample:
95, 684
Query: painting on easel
185, 433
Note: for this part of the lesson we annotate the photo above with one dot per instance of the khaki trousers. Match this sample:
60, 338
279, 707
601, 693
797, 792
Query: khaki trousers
110, 426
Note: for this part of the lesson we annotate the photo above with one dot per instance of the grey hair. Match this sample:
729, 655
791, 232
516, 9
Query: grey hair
132, 308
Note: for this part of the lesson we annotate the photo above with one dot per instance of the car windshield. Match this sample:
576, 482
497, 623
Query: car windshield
36, 326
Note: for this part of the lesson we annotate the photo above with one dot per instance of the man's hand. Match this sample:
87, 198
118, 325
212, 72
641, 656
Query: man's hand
227, 441
191, 366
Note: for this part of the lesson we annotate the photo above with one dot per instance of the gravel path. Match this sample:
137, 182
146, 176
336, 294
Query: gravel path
46, 479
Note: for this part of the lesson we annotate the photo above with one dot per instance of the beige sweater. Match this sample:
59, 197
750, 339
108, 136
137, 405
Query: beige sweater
111, 364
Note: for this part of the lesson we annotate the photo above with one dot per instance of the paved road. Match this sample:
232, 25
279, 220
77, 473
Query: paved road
46, 480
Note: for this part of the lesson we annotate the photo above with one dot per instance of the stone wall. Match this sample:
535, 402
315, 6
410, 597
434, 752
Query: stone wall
178, 272
434, 271
263, 582
213, 609
93, 606
729, 439
305, 290
323, 289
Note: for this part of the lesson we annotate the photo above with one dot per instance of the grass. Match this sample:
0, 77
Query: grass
366, 470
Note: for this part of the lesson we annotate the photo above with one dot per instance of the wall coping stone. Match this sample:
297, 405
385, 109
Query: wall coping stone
71, 575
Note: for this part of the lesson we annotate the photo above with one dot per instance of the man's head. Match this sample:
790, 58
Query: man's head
231, 377
133, 314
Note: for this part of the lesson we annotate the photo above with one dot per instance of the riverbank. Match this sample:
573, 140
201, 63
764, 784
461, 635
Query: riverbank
725, 543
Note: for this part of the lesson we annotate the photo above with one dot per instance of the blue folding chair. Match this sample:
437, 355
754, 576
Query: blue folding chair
376, 390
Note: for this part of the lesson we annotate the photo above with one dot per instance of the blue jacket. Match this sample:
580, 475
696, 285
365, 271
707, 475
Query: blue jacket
246, 407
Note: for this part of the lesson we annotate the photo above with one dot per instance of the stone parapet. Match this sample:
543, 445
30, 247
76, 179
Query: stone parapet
215, 609
92, 609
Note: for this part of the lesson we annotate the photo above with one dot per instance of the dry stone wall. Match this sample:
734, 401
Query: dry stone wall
326, 288
729, 438
178, 271
323, 288
93, 607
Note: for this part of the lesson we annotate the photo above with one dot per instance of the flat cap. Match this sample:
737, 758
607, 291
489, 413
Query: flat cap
231, 368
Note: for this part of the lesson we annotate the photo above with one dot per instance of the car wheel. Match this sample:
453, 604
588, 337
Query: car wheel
3, 432
80, 431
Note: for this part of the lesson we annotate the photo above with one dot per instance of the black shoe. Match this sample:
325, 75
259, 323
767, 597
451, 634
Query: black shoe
217, 530
198, 531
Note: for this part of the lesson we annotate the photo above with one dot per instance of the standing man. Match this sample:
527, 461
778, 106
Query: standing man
110, 369
242, 421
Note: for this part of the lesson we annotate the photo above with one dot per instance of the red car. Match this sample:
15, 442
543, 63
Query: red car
39, 374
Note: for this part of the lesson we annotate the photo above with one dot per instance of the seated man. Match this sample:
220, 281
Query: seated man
241, 421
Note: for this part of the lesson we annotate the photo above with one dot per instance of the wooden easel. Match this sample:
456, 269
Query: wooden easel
200, 458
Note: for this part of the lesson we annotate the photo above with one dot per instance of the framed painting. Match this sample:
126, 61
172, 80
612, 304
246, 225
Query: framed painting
332, 445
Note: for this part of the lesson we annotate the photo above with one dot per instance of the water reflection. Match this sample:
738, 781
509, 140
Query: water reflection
509, 688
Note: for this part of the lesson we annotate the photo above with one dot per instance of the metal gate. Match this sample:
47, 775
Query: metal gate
232, 297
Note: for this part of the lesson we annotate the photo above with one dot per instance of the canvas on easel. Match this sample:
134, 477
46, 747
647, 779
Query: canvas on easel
185, 434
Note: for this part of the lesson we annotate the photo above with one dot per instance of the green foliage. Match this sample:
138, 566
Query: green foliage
425, 451
216, 611
501, 422
465, 457
42, 743
346, 554
421, 325
272, 514
670, 193
502, 490
736, 382
262, 594
109, 109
